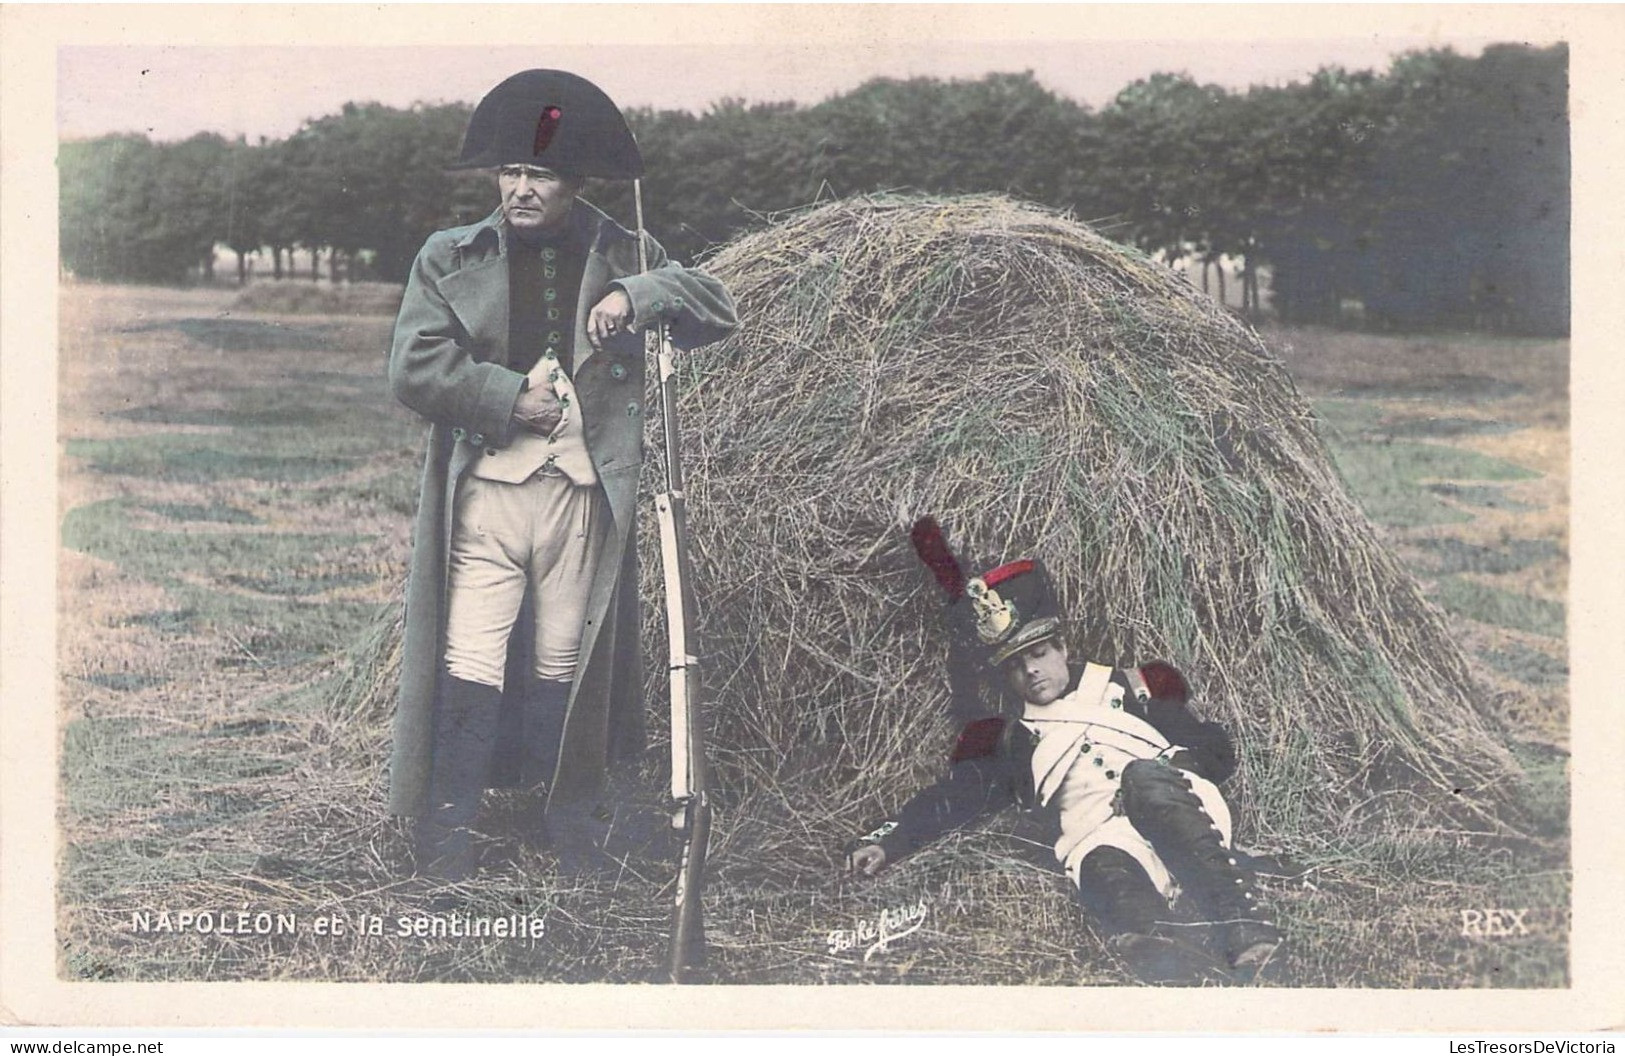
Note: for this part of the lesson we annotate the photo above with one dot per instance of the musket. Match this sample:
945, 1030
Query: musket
689, 778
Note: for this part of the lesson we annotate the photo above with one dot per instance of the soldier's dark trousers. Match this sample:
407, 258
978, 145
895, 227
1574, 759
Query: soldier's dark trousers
465, 740
1129, 913
1161, 805
1116, 891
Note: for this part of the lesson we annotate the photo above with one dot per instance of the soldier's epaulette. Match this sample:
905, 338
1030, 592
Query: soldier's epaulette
1158, 679
979, 739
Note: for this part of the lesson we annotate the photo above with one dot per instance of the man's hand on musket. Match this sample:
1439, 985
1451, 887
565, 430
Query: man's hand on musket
866, 860
608, 317
538, 409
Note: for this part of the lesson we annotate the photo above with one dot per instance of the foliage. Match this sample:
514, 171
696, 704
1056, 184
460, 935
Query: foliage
1435, 194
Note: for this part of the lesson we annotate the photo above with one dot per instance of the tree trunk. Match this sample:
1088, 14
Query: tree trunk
1206, 263
242, 268
1224, 297
315, 263
333, 265
276, 263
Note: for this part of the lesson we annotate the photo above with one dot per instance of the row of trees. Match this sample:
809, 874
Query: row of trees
1434, 194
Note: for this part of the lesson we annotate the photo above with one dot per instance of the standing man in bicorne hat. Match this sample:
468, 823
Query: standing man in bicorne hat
519, 341
1115, 763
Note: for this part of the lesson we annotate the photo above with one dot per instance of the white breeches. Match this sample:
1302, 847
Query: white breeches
543, 537
1117, 832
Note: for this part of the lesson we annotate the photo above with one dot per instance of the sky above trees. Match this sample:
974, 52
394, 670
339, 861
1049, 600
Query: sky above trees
171, 92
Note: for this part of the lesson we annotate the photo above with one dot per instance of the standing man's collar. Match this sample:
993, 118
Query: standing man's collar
581, 228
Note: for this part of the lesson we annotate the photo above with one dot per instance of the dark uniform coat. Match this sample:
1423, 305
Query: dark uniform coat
447, 363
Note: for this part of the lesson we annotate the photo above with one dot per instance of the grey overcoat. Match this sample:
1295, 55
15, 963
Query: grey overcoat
448, 362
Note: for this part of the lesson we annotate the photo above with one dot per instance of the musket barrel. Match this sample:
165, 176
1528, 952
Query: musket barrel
688, 763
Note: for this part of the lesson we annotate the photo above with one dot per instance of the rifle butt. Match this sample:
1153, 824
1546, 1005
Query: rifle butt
687, 949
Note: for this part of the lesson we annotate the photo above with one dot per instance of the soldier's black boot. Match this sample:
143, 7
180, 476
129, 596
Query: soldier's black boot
1158, 800
465, 736
542, 730
1133, 918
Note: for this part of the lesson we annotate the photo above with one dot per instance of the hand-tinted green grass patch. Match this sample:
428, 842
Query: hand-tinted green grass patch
168, 621
103, 530
1502, 608
225, 334
1529, 666
1487, 496
1450, 556
124, 681
369, 385
214, 513
112, 765
395, 490
1430, 426
94, 869
1547, 792
201, 460
298, 582
1466, 388
335, 404
1347, 419
202, 570
1387, 478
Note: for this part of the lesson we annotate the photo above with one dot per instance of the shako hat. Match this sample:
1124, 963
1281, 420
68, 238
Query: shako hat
1004, 610
553, 119
1013, 607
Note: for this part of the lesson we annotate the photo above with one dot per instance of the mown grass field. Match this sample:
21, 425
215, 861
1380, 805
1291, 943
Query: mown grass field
236, 495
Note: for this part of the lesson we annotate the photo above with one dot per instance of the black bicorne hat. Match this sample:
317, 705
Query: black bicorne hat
555, 120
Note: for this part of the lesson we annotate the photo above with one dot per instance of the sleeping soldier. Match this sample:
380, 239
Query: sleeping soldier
1115, 763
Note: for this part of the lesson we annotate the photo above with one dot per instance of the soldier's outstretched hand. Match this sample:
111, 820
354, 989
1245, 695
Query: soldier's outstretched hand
866, 860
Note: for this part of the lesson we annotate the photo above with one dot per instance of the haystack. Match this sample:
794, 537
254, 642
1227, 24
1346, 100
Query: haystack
1043, 391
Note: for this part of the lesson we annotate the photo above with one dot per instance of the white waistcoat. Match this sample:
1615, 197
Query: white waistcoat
564, 450
1085, 739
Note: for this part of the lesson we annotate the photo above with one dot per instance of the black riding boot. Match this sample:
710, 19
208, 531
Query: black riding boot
465, 737
545, 702
542, 719
1158, 800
